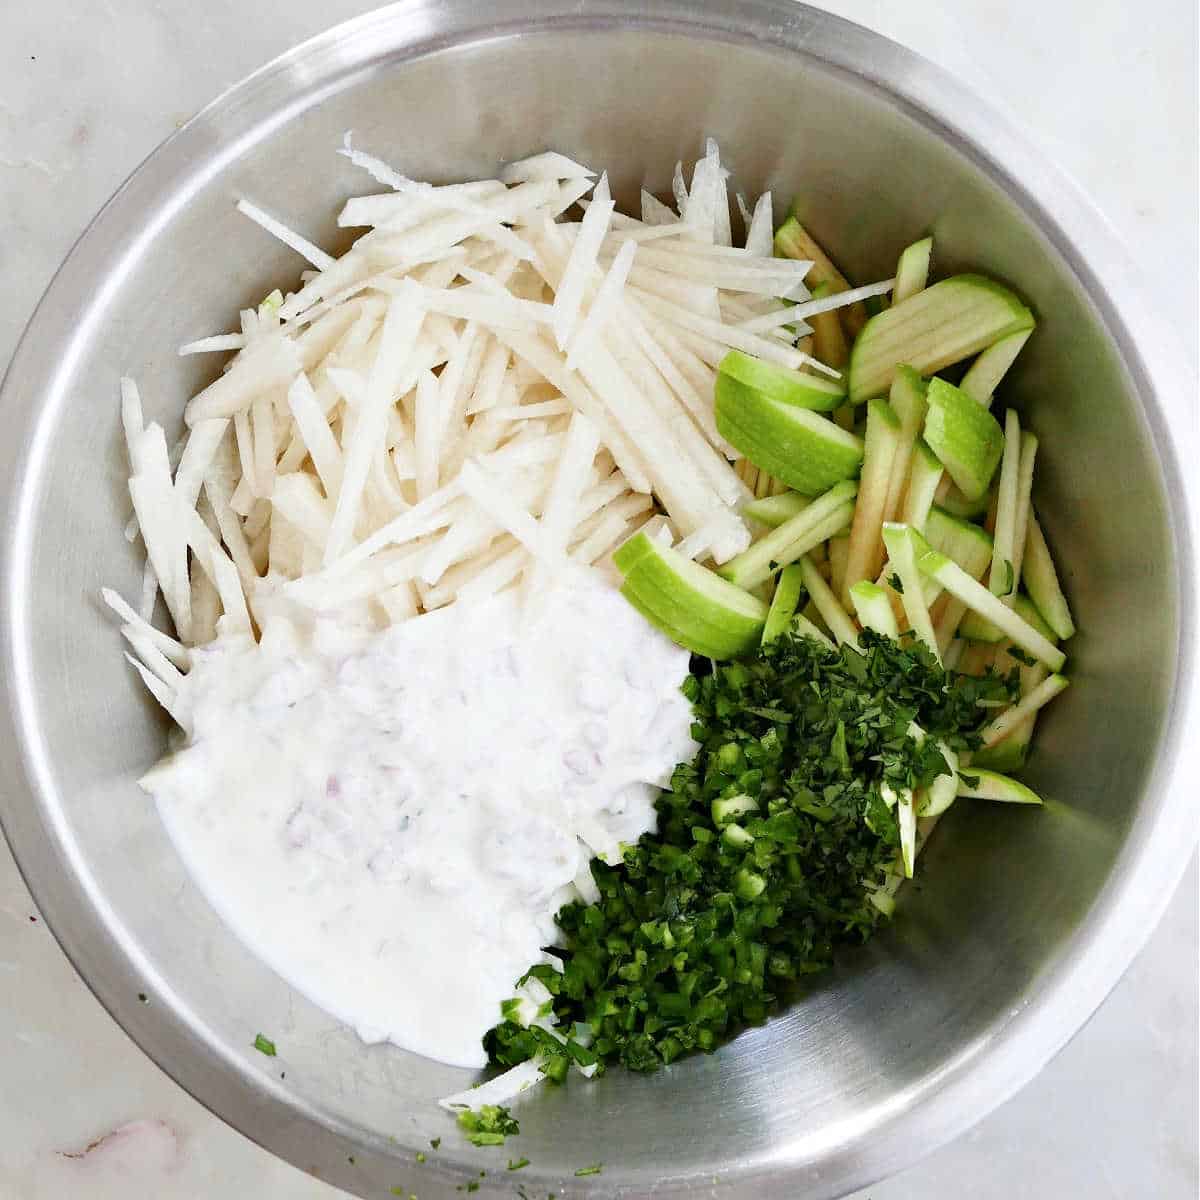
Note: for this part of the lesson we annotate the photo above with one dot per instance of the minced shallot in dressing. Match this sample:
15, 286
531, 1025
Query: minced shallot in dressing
392, 819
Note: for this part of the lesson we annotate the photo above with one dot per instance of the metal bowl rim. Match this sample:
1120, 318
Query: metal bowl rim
1159, 842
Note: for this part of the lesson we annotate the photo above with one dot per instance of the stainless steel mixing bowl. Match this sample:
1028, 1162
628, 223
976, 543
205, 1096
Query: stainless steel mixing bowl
1022, 920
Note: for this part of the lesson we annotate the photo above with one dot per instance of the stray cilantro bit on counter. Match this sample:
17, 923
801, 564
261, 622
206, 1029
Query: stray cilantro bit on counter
770, 845
264, 1045
488, 1125
517, 1164
594, 1169
435, 1143
421, 1157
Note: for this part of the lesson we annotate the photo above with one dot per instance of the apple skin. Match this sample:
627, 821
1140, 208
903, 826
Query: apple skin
694, 607
780, 383
964, 435
940, 325
805, 450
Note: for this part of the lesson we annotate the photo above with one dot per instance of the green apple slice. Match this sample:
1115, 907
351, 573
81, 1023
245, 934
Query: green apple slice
785, 544
863, 556
1028, 457
792, 240
1002, 579
740, 372
975, 628
985, 373
755, 565
1011, 750
934, 800
838, 550
924, 475
991, 785
1041, 581
803, 627
806, 451
693, 606
1009, 755
958, 583
969, 545
956, 504
832, 613
884, 898
906, 818
941, 793
941, 325
912, 271
907, 398
627, 555
966, 437
873, 605
784, 603
829, 339
772, 511
1027, 611
904, 544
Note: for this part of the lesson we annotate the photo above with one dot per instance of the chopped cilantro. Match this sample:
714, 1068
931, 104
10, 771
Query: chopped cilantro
420, 1156
488, 1125
435, 1143
1021, 657
264, 1045
895, 584
770, 843
594, 1169
517, 1164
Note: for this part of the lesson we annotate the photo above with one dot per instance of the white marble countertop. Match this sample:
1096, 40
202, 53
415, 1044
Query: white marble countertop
1106, 86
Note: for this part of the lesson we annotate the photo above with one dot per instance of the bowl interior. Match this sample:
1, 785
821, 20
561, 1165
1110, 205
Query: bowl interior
1002, 892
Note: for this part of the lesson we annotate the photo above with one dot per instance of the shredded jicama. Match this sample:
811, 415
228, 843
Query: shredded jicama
482, 391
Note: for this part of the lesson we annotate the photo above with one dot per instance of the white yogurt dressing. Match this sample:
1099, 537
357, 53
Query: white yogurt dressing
391, 819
